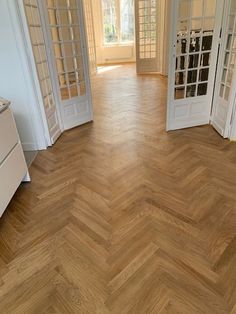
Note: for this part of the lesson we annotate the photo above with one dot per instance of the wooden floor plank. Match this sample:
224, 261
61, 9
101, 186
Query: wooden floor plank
122, 217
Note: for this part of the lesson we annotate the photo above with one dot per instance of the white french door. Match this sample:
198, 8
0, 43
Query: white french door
65, 29
195, 32
226, 75
88, 12
147, 25
42, 66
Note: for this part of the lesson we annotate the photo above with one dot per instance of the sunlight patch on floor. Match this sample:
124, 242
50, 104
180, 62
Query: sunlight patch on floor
106, 68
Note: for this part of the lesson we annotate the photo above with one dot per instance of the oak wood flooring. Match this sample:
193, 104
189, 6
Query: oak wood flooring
122, 217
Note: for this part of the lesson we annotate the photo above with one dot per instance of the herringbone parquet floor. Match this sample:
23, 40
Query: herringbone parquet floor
122, 217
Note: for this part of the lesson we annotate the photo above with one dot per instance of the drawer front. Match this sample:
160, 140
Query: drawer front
12, 171
8, 134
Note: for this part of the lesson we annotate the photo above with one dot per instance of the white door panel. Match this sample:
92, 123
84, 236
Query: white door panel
226, 79
147, 24
64, 26
38, 43
88, 12
192, 62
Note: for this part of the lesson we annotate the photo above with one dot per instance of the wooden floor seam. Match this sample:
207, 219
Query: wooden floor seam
123, 217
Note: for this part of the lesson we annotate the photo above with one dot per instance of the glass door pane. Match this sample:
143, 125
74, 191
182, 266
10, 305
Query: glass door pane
225, 82
88, 11
195, 33
194, 39
69, 56
65, 33
41, 61
147, 35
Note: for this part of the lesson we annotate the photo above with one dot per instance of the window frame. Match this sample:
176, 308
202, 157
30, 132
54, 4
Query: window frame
119, 41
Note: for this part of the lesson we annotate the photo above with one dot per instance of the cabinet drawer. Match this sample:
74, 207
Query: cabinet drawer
8, 133
12, 171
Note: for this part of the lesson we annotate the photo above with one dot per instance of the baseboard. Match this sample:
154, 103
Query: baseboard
29, 146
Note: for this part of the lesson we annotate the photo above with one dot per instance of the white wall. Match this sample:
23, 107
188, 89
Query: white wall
15, 79
112, 54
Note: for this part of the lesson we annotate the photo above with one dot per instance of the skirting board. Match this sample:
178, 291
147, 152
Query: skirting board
29, 147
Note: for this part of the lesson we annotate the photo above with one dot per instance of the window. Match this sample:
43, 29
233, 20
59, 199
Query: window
118, 21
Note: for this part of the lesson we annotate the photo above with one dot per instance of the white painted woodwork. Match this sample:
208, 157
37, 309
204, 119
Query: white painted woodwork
191, 72
69, 64
90, 36
165, 36
16, 78
42, 66
148, 30
13, 168
225, 87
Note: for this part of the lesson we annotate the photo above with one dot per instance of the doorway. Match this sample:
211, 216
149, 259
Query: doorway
127, 31
74, 43
58, 43
62, 39
202, 65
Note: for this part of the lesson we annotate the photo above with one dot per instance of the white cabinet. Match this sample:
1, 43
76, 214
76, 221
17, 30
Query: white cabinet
8, 134
13, 167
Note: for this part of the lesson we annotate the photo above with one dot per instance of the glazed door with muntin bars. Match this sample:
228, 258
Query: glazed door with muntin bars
38, 45
64, 21
88, 12
193, 55
147, 25
226, 73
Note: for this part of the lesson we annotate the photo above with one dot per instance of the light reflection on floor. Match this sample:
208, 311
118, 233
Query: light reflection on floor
106, 68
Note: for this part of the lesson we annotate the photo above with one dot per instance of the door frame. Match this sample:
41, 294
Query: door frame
232, 135
225, 132
165, 36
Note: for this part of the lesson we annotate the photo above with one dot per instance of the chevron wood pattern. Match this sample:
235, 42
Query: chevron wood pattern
122, 217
